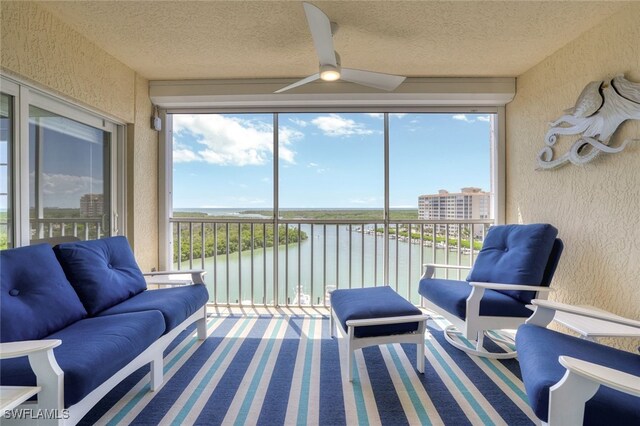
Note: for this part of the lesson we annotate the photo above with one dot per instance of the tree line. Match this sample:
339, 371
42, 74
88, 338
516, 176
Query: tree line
263, 236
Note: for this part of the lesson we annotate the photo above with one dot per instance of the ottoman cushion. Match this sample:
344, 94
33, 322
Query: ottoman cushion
373, 302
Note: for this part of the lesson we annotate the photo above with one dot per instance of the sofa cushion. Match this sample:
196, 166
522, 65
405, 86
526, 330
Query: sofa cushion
451, 295
538, 352
515, 254
92, 351
103, 272
176, 304
373, 302
36, 298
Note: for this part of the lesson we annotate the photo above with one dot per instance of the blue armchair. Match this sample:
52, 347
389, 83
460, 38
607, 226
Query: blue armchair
516, 264
572, 381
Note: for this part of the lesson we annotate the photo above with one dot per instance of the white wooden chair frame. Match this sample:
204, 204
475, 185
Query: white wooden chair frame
582, 379
50, 378
475, 326
354, 342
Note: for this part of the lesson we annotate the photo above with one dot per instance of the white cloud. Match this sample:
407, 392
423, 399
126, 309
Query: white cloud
64, 185
335, 125
298, 122
398, 114
185, 155
466, 119
462, 117
378, 115
312, 165
230, 140
61, 190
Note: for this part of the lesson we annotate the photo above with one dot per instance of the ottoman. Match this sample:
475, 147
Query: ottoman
376, 316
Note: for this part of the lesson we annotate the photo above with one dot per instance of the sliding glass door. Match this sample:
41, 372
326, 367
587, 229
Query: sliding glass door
61, 169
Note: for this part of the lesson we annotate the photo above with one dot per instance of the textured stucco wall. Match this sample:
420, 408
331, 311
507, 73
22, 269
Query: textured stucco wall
38, 47
142, 174
596, 207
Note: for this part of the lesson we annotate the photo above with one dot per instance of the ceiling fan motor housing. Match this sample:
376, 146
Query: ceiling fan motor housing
329, 72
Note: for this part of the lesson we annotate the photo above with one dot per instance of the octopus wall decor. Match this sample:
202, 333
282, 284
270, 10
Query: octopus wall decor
600, 109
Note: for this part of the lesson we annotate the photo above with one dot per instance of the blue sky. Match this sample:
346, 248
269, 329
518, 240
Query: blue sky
326, 160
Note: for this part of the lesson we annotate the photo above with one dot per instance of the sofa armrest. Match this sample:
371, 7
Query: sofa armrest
197, 277
26, 347
614, 379
49, 375
546, 309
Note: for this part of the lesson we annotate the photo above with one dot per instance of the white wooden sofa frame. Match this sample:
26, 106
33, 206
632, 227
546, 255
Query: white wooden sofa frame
475, 326
50, 378
354, 342
582, 379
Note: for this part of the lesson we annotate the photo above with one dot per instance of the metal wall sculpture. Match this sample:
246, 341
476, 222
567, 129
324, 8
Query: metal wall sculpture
600, 109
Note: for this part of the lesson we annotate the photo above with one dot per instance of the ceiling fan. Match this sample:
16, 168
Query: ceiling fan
322, 30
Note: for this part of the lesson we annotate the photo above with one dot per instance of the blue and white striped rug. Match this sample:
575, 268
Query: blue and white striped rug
285, 369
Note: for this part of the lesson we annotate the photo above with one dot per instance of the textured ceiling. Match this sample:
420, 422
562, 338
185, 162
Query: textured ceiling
264, 39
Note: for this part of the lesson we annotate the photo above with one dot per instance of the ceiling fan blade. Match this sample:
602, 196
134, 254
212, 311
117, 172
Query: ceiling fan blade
377, 80
320, 28
299, 83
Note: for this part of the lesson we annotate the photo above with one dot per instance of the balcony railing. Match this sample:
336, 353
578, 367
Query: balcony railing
82, 228
249, 264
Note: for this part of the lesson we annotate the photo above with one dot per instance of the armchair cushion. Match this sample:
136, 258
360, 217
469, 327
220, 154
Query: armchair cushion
538, 352
176, 304
109, 342
103, 272
36, 298
451, 295
515, 254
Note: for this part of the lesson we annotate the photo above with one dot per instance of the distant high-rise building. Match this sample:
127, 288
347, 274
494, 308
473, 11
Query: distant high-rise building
92, 205
470, 203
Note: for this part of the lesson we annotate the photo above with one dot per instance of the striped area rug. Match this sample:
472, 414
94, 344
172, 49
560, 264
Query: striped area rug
285, 369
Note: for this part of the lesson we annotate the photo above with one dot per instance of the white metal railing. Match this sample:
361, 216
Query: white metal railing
247, 265
82, 228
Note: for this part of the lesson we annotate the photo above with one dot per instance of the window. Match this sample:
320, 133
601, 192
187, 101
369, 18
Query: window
333, 166
284, 224
223, 164
68, 177
58, 170
440, 166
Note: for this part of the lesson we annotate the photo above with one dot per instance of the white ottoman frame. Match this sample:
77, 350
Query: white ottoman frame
354, 342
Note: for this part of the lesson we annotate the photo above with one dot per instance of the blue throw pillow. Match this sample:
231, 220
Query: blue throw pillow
104, 272
36, 298
515, 254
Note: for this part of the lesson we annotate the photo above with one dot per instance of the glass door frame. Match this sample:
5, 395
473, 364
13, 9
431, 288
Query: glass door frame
25, 96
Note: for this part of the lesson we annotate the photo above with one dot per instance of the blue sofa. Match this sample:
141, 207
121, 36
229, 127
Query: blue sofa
87, 306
